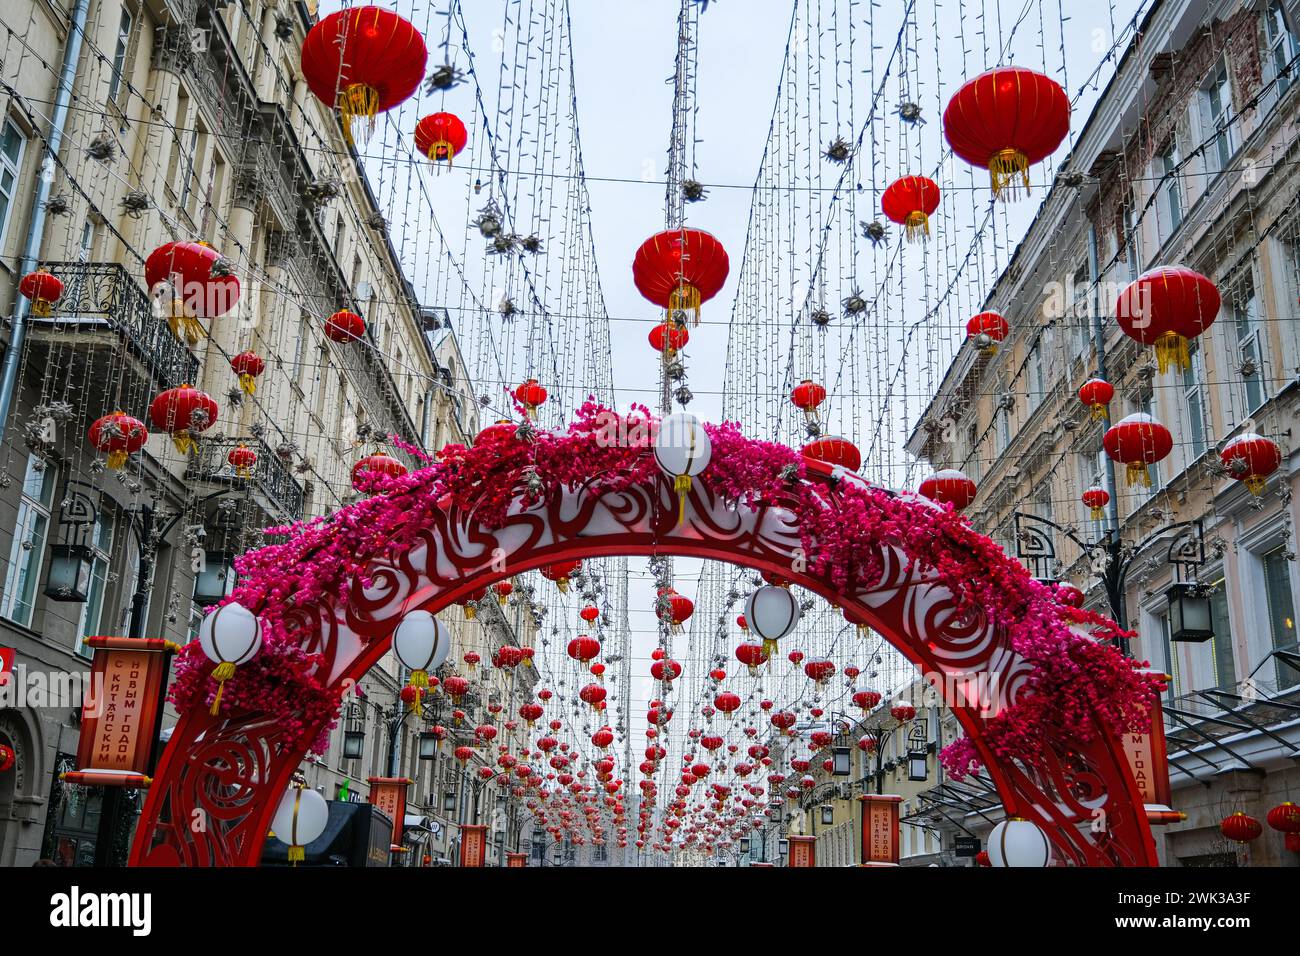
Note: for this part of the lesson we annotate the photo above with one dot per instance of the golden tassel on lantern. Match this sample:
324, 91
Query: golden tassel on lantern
1137, 474
682, 485
248, 382
685, 297
1098, 412
42, 308
1172, 351
1255, 484
116, 459
864, 630
563, 585
1097, 513
469, 612
223, 673
183, 441
1005, 167
769, 648
917, 226
442, 151
358, 101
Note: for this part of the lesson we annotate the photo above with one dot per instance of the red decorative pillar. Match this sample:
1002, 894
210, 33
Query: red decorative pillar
473, 844
517, 860
803, 851
880, 829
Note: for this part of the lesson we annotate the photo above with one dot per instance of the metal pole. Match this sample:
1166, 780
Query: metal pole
36, 217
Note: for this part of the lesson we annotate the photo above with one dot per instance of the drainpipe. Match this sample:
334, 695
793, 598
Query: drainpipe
36, 216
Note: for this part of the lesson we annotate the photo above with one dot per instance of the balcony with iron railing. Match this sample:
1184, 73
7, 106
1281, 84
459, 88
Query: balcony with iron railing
269, 475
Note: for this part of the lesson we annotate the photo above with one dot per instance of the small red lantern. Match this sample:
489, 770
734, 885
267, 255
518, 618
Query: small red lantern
741, 622
503, 589
560, 573
902, 711
982, 858
987, 329
362, 62
43, 288
592, 694
833, 450
440, 137
752, 656
679, 609
242, 459
1165, 307
1250, 459
368, 469
584, 648
531, 712
806, 396
820, 670
680, 269
1285, 818
1240, 828
949, 487
344, 326
1007, 119
469, 603
910, 202
727, 702
866, 699
1136, 442
183, 412
1096, 499
666, 670
118, 434
7, 758
669, 338
589, 613
1096, 393
530, 395
248, 365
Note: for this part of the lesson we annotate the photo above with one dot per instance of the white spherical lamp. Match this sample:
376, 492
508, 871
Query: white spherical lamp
421, 644
300, 818
771, 612
229, 636
682, 450
1018, 842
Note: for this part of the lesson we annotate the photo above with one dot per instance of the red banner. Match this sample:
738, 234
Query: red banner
6, 664
389, 795
121, 710
880, 829
516, 859
1148, 759
473, 844
803, 851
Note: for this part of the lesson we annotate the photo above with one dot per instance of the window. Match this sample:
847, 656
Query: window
973, 466
1169, 211
1036, 372
27, 553
1217, 118
1282, 50
1081, 311
1225, 673
86, 251
119, 55
92, 612
1194, 402
1281, 612
1175, 686
1247, 330
1092, 471
1132, 241
11, 157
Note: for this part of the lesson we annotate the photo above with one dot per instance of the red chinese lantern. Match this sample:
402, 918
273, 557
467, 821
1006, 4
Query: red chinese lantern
741, 622
363, 62
678, 611
589, 613
200, 281
858, 621
1285, 818
368, 469
982, 858
532, 712
987, 329
1164, 308
1096, 393
1096, 499
242, 459
183, 412
471, 659
503, 590
344, 326
1240, 828
464, 754
7, 758
603, 738
1250, 459
795, 657
820, 670
866, 699
949, 487
440, 137
669, 338
584, 648
1007, 120
752, 656
530, 395
902, 711
910, 202
666, 670
119, 435
248, 365
593, 694
43, 288
680, 269
806, 396
560, 573
469, 603
867, 744
833, 450
727, 702
456, 687
1138, 441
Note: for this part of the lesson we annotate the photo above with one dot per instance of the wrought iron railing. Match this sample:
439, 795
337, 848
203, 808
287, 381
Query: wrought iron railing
105, 293
269, 474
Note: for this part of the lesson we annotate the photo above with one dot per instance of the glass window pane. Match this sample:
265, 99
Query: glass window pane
1281, 612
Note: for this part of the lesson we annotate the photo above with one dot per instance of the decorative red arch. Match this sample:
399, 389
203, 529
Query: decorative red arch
482, 514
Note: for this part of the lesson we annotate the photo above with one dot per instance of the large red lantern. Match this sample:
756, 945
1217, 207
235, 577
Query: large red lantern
1250, 459
680, 269
806, 396
727, 702
820, 670
118, 434
363, 62
200, 283
1240, 828
1096, 499
560, 573
752, 656
949, 487
530, 395
371, 467
345, 326
248, 365
666, 670
1285, 818
183, 412
43, 288
1164, 308
1006, 120
1138, 441
584, 648
592, 694
678, 609
902, 711
833, 450
440, 137
987, 329
866, 699
1096, 393
910, 202
669, 338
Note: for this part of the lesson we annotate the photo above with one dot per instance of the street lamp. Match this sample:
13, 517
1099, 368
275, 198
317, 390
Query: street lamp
216, 580
70, 568
828, 814
1190, 619
449, 801
917, 765
428, 744
843, 758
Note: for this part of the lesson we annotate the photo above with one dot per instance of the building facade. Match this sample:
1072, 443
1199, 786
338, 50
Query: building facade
1188, 158
125, 125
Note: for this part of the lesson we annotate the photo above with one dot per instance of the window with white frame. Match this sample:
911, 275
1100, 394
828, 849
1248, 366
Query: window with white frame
1173, 666
1193, 392
1283, 48
1132, 240
1080, 309
974, 467
12, 144
92, 612
31, 534
120, 50
1248, 334
1036, 374
1218, 119
1280, 608
1221, 647
1169, 211
1092, 471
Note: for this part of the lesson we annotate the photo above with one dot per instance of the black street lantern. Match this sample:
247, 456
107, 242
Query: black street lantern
449, 801
354, 744
1190, 619
843, 761
828, 814
70, 568
917, 768
428, 745
783, 847
744, 846
216, 581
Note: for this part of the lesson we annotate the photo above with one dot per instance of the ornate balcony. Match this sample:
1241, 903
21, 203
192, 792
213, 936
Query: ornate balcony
281, 494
